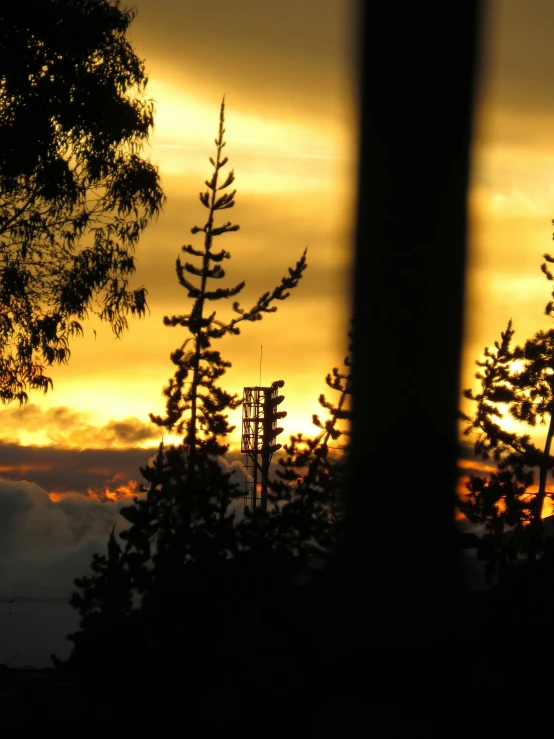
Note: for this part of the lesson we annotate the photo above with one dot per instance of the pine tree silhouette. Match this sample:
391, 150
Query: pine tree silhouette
308, 496
105, 606
189, 492
196, 406
518, 381
181, 548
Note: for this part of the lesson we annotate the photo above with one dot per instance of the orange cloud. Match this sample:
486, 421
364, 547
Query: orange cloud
68, 428
24, 468
105, 494
469, 464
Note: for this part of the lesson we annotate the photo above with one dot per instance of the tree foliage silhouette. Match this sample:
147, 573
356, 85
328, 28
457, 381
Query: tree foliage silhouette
188, 482
75, 190
518, 382
196, 407
308, 494
104, 605
181, 545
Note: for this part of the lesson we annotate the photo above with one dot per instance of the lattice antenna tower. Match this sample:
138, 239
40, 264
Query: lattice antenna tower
259, 438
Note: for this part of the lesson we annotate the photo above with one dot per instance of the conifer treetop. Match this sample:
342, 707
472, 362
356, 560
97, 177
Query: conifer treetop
195, 404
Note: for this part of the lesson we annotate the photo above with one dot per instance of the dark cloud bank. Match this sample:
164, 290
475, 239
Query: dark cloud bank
45, 545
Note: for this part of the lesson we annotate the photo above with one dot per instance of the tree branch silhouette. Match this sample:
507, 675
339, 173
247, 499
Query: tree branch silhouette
77, 193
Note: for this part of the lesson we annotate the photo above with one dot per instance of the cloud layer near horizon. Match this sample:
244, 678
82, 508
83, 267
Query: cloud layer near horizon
71, 429
67, 470
46, 541
44, 546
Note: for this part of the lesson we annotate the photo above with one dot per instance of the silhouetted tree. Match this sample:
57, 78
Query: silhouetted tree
189, 491
518, 381
195, 403
196, 491
309, 493
75, 190
181, 547
104, 604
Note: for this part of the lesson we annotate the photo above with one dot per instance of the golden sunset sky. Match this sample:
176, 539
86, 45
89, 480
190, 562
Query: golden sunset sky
511, 202
286, 69
288, 72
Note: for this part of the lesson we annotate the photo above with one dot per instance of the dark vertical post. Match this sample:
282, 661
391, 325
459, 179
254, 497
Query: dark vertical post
255, 487
394, 581
255, 448
266, 454
266, 443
